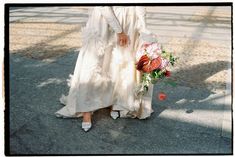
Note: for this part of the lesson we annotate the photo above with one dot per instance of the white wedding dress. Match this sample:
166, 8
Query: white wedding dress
105, 73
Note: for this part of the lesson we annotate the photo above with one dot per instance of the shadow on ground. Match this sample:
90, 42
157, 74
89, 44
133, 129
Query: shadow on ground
35, 88
189, 121
198, 74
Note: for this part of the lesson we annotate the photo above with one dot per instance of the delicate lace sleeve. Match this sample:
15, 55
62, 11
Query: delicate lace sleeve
108, 14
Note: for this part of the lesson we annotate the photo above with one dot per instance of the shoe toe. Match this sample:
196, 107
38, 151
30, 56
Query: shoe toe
86, 126
114, 114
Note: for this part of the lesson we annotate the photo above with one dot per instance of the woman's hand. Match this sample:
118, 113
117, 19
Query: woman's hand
122, 39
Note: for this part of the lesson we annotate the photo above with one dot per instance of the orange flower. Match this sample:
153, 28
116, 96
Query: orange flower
161, 96
147, 65
143, 60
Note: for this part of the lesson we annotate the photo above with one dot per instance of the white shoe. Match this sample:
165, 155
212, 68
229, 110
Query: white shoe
114, 114
86, 126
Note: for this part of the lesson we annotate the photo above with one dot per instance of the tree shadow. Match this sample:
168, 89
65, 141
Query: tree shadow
197, 74
33, 117
193, 79
44, 51
35, 93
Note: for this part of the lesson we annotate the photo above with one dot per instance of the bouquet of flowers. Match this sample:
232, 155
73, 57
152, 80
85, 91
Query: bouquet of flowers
153, 62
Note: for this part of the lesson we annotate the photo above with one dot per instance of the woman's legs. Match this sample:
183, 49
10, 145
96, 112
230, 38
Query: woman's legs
86, 116
86, 124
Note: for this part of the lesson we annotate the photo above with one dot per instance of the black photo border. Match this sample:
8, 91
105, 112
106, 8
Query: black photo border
7, 65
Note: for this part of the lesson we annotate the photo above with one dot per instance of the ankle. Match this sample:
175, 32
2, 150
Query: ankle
87, 117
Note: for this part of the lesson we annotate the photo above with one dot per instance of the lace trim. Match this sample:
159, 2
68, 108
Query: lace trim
92, 35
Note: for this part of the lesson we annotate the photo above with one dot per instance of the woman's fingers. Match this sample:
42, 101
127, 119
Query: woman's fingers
122, 42
123, 39
126, 40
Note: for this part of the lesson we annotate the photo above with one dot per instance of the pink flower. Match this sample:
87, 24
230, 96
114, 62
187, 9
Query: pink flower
164, 64
154, 50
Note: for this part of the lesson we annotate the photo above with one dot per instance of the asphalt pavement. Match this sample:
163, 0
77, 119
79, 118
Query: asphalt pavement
190, 121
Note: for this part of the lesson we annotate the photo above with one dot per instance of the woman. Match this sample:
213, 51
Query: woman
99, 79
124, 74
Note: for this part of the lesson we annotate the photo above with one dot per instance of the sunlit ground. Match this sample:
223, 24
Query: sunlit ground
200, 104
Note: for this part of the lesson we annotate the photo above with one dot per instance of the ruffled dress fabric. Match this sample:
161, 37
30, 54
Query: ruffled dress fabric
105, 74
